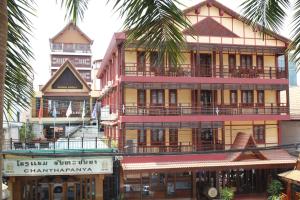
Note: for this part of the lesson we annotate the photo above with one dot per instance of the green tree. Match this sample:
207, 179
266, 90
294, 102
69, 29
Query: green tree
274, 190
227, 193
26, 132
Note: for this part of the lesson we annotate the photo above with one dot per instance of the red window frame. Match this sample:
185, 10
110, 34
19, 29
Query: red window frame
173, 136
232, 66
141, 64
156, 131
246, 65
236, 97
170, 93
260, 103
139, 102
144, 141
163, 97
259, 133
260, 68
252, 98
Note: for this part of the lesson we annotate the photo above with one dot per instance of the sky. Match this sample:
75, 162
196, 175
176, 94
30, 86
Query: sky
99, 23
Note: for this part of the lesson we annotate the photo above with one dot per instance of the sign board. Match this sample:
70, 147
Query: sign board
58, 166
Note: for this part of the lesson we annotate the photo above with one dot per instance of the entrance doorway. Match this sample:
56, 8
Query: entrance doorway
203, 66
206, 139
58, 188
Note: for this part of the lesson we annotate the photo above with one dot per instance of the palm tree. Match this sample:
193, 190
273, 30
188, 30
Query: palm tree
270, 15
154, 24
3, 44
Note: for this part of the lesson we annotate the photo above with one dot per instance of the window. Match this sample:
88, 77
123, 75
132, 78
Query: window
141, 97
233, 97
260, 63
173, 97
157, 97
157, 137
141, 61
247, 97
246, 61
232, 62
259, 133
142, 137
56, 46
260, 97
173, 136
155, 61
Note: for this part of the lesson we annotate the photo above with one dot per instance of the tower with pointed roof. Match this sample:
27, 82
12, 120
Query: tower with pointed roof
70, 84
71, 43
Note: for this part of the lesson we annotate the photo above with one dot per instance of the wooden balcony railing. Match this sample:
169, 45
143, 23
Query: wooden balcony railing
180, 147
62, 113
186, 70
241, 109
58, 144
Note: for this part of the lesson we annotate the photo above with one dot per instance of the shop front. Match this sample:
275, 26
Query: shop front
201, 176
72, 178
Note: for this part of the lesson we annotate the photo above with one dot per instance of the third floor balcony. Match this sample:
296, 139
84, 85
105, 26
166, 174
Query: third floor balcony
188, 70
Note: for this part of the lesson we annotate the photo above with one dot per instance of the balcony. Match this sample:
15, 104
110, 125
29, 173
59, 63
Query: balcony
185, 109
61, 113
187, 70
59, 144
180, 147
71, 47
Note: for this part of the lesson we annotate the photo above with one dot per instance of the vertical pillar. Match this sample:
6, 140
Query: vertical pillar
123, 59
286, 65
221, 62
192, 63
99, 187
222, 96
11, 188
214, 64
276, 67
287, 92
194, 184
65, 191
289, 190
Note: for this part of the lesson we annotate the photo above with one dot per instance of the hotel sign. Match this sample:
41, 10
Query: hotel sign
58, 166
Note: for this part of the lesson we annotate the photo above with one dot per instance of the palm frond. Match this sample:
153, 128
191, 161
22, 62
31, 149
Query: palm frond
294, 47
268, 14
19, 73
75, 9
156, 25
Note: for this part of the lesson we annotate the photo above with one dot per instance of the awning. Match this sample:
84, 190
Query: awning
198, 162
293, 175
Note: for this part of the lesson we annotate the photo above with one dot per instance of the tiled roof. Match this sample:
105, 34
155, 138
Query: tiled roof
209, 27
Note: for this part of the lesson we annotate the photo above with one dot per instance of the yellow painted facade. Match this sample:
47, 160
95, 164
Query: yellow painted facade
184, 97
71, 35
246, 34
231, 129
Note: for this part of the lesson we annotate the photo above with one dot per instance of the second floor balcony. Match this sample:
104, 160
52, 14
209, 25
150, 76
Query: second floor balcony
187, 70
215, 110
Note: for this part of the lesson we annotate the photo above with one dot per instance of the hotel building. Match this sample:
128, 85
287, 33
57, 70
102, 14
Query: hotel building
175, 122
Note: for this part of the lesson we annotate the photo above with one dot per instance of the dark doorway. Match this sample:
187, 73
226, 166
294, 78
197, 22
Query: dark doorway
203, 66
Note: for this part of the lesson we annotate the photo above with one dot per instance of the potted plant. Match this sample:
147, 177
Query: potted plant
274, 190
227, 193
